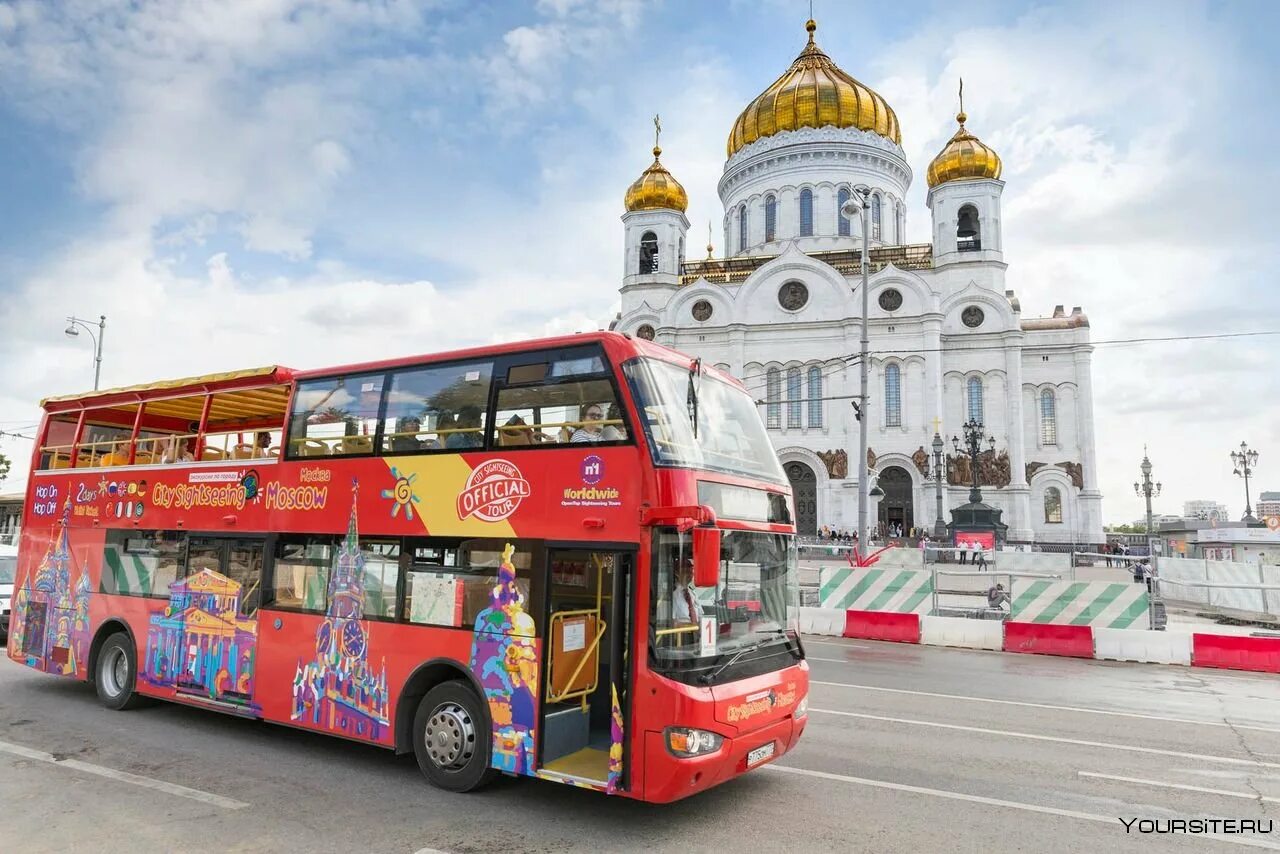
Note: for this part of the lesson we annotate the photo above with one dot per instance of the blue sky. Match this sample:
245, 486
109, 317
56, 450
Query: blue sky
308, 183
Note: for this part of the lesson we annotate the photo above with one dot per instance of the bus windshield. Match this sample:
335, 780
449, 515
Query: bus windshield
754, 609
730, 437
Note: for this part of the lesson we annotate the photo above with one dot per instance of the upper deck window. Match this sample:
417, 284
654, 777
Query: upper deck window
437, 408
336, 416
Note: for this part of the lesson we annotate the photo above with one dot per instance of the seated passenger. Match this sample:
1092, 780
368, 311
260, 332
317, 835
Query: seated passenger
614, 432
469, 433
178, 451
590, 429
405, 439
516, 433
119, 455
262, 445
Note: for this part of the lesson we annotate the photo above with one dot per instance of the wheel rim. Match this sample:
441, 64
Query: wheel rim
115, 671
450, 736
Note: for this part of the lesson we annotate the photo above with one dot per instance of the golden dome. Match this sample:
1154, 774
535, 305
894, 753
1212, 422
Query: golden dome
656, 189
813, 93
965, 156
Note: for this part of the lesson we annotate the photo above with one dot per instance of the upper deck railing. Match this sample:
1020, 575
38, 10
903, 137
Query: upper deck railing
732, 271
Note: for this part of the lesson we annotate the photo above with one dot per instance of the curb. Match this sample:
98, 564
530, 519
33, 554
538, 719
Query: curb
1194, 649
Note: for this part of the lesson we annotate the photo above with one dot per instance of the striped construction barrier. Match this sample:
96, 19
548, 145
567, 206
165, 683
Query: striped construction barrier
882, 625
962, 632
897, 591
1235, 652
1142, 645
1049, 639
1080, 603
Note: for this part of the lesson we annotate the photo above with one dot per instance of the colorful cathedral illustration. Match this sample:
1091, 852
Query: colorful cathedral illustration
50, 614
339, 691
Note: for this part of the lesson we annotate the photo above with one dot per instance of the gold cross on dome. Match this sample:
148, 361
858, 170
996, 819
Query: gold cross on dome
962, 94
937, 425
657, 129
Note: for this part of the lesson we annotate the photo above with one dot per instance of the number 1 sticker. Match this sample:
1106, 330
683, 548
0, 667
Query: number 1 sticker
708, 636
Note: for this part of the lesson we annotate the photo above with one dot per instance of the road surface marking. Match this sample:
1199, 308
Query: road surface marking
1045, 706
1248, 796
1133, 748
994, 802
123, 776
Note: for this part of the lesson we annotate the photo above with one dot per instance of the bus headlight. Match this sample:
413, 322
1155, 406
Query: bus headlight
685, 742
802, 708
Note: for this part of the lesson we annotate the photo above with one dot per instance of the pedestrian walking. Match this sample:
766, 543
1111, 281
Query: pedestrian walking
963, 548
980, 555
1106, 550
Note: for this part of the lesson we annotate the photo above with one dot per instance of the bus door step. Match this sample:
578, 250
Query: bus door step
565, 730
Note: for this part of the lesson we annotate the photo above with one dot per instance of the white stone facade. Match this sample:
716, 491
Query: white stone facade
1033, 373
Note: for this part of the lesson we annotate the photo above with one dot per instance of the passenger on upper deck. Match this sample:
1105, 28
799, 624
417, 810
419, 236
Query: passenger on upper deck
178, 450
591, 426
405, 439
262, 447
469, 434
613, 432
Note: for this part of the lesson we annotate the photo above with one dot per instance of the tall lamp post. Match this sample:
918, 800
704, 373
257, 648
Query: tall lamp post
859, 205
1245, 461
1145, 488
975, 435
939, 471
72, 332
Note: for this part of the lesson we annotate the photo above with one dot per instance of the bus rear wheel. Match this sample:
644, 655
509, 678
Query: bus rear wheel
115, 676
451, 739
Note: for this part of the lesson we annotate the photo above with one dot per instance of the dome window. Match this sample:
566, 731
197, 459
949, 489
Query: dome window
806, 213
742, 228
648, 253
968, 231
770, 218
876, 230
842, 221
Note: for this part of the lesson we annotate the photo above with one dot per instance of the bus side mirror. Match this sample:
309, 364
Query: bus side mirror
706, 557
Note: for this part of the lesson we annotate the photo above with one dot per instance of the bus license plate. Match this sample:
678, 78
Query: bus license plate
760, 754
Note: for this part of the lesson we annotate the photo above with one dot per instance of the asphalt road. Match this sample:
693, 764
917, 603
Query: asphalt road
909, 749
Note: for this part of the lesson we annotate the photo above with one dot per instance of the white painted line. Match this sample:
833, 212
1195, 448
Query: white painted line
1037, 737
995, 802
1224, 792
123, 776
1080, 709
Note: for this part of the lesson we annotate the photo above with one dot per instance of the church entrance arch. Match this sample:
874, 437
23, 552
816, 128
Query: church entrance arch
896, 507
804, 489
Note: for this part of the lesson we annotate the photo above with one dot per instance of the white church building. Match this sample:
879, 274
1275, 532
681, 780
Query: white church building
949, 342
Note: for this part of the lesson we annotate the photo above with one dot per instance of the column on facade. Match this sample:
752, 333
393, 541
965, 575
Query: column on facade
934, 411
737, 356
1020, 493
1084, 418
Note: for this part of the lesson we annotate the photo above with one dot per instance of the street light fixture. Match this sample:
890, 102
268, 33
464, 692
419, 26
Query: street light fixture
975, 435
1148, 489
1245, 461
72, 332
859, 205
939, 527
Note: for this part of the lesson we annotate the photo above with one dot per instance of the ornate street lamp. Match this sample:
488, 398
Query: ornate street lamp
72, 332
1245, 461
975, 435
939, 472
1148, 489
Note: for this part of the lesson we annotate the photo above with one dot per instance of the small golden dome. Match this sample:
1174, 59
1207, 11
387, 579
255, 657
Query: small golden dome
656, 189
813, 93
965, 156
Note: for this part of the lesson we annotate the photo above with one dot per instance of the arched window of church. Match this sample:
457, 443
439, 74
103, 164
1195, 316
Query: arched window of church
1048, 418
1053, 506
968, 230
842, 221
975, 400
773, 397
648, 253
892, 396
815, 396
770, 218
875, 217
742, 228
794, 395
806, 213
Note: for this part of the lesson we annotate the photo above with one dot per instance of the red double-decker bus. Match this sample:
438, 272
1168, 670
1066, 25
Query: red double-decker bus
528, 558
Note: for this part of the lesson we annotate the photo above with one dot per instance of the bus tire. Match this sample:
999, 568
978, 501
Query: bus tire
451, 738
116, 674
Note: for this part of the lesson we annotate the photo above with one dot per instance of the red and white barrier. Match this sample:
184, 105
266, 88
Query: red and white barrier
1233, 652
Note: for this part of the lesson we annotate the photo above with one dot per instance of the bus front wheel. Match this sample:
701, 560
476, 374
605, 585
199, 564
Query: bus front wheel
115, 676
451, 739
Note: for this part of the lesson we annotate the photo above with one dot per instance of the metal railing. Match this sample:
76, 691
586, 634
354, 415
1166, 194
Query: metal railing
915, 256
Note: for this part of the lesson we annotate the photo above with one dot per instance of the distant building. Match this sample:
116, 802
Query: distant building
1268, 503
1157, 519
10, 517
1210, 511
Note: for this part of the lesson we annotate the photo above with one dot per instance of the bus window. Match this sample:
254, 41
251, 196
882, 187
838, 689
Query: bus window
451, 586
143, 563
337, 416
381, 570
55, 453
300, 576
579, 412
437, 408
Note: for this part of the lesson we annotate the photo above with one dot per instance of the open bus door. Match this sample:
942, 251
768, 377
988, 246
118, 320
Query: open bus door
584, 693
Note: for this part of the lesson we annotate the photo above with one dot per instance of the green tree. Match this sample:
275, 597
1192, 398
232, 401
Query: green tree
4, 467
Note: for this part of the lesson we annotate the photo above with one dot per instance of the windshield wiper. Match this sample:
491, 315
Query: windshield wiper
691, 395
707, 677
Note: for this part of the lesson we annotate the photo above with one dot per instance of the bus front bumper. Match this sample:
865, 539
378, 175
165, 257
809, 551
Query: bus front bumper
670, 778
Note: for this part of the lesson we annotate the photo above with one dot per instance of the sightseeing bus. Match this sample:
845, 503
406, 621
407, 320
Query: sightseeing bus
571, 559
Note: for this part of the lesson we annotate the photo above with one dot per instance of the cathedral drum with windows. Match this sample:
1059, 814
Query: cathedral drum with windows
781, 311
